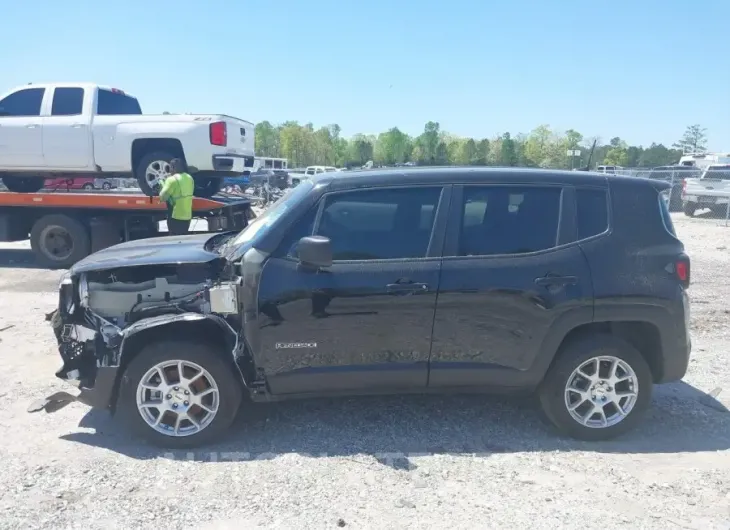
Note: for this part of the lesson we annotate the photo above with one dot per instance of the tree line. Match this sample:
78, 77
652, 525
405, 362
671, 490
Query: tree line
305, 145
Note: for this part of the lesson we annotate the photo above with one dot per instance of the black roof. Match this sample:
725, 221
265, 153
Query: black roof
466, 175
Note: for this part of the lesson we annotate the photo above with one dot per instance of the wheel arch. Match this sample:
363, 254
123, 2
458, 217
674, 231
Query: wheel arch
145, 146
188, 327
642, 334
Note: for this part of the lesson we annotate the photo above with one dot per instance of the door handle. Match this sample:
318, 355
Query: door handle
31, 126
550, 281
77, 125
406, 287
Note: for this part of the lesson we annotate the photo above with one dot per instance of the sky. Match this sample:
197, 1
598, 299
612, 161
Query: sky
642, 70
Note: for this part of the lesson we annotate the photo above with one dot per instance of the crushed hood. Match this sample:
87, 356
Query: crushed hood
154, 251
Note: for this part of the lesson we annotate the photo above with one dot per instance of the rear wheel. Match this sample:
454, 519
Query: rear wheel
598, 388
24, 184
88, 186
152, 170
719, 210
179, 394
689, 209
59, 241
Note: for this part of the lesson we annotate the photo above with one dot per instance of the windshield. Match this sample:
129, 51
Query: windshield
247, 237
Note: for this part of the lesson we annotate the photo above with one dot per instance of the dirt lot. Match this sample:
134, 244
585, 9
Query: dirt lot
457, 462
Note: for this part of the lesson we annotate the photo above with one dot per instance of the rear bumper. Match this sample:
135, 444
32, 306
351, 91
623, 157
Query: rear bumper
705, 199
676, 344
231, 165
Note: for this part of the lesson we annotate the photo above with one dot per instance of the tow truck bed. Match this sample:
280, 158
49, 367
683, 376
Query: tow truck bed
65, 227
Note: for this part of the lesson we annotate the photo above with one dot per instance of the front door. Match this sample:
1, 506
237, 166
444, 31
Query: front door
21, 137
66, 132
508, 276
364, 323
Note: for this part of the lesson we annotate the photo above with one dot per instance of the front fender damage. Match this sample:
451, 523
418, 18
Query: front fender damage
93, 347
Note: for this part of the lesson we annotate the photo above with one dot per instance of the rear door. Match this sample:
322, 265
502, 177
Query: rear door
67, 139
511, 273
364, 323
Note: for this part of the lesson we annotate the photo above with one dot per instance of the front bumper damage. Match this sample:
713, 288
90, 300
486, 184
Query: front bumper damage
88, 346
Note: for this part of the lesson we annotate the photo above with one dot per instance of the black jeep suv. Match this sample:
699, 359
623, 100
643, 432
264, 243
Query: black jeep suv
569, 284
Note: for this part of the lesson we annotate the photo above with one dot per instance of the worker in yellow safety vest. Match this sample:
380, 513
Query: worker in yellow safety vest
177, 191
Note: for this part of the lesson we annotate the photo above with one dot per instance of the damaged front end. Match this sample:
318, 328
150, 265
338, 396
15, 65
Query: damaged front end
100, 310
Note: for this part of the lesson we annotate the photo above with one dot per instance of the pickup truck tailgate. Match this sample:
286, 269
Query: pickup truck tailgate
240, 135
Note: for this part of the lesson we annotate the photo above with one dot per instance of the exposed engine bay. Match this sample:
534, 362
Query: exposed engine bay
125, 295
101, 310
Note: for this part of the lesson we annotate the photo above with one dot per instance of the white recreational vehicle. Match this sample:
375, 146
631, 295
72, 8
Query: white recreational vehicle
703, 160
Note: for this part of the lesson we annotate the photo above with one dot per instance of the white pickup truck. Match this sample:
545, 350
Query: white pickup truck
711, 190
65, 130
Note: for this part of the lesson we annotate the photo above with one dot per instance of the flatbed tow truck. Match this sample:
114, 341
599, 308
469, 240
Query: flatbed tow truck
65, 227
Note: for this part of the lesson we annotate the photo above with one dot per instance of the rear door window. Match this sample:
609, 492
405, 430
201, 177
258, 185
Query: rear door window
67, 101
509, 220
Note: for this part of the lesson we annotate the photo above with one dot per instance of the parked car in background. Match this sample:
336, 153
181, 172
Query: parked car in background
79, 183
608, 169
57, 130
675, 176
711, 190
572, 285
316, 170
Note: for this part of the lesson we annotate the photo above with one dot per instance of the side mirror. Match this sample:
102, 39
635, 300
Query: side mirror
315, 252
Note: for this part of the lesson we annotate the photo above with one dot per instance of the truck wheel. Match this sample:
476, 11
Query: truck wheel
689, 209
152, 171
88, 187
106, 186
178, 394
24, 184
206, 187
59, 241
598, 388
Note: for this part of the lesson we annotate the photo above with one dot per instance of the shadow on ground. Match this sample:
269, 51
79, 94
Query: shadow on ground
393, 429
18, 258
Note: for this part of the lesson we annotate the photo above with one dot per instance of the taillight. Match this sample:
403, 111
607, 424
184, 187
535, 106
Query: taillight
684, 187
218, 133
682, 270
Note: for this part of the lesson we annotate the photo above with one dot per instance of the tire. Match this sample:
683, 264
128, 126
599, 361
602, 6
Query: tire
88, 187
43, 240
206, 187
106, 186
675, 200
689, 209
205, 357
24, 184
719, 211
553, 390
145, 162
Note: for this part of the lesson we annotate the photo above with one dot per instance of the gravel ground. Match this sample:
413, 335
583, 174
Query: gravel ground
415, 462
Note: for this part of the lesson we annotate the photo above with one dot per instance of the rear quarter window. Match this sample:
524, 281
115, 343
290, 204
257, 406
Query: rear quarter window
592, 205
664, 211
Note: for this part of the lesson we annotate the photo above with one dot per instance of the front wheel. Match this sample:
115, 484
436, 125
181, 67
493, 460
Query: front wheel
179, 394
598, 388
